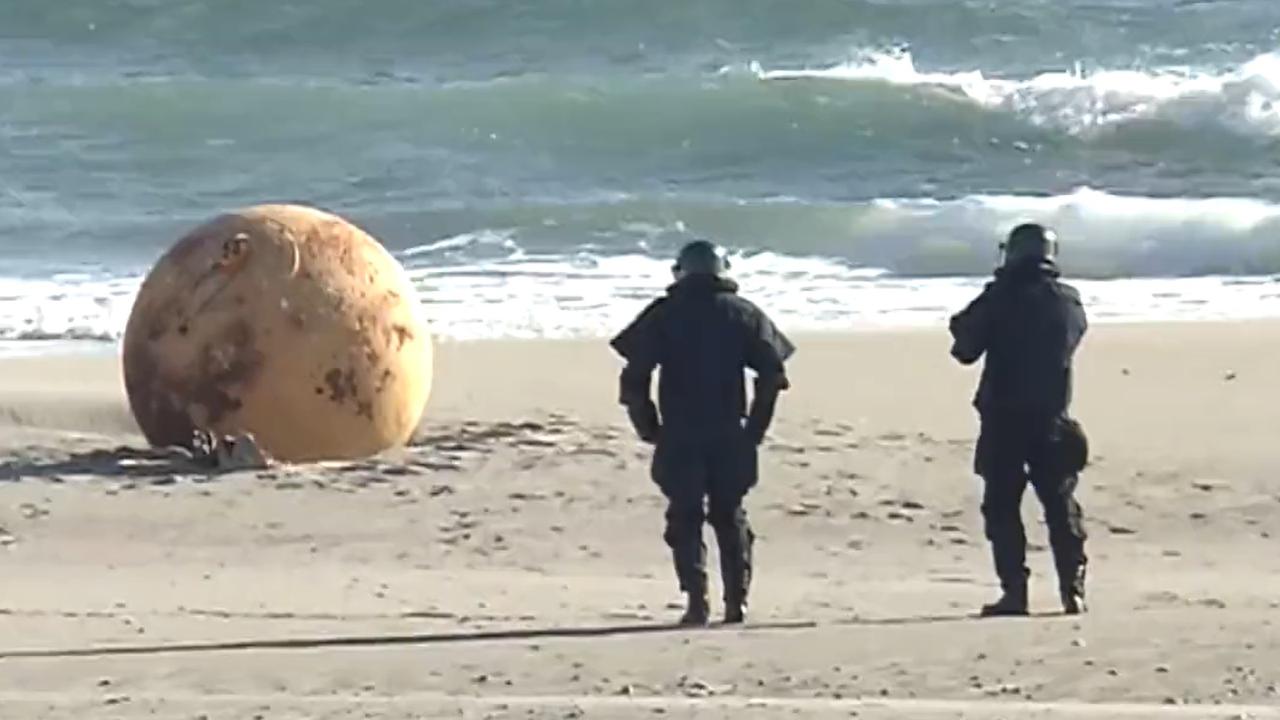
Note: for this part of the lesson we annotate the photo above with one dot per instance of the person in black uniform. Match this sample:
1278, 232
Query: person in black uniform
1028, 324
704, 336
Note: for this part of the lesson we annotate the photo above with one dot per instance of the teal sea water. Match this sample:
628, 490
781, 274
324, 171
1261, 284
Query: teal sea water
535, 164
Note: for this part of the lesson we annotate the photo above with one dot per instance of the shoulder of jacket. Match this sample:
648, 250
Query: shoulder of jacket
645, 318
655, 306
737, 301
747, 311
1068, 292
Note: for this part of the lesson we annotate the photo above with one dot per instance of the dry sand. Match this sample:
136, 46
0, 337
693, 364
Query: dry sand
510, 563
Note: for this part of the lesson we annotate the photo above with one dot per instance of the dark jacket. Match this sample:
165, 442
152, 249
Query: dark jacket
1028, 324
704, 335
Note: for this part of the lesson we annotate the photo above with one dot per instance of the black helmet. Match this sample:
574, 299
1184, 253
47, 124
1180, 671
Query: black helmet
1029, 243
701, 257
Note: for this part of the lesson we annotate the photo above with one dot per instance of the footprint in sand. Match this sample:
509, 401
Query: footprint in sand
526, 496
31, 511
892, 439
806, 507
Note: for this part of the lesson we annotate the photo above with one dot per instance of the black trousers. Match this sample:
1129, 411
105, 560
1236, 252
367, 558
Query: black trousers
1015, 450
705, 480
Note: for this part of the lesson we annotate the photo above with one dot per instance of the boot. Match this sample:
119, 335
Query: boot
1011, 568
689, 556
735, 539
735, 611
736, 577
697, 610
1012, 603
1072, 593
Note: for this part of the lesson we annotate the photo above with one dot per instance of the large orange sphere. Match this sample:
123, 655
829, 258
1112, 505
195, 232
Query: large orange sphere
283, 321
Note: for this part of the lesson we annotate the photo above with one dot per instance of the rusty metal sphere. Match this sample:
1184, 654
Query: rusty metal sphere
283, 321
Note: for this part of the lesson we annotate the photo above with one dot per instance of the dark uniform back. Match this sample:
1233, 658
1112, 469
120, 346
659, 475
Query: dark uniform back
1028, 324
704, 336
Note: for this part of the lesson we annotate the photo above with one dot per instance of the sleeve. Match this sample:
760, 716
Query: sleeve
1077, 322
768, 350
969, 329
640, 345
639, 341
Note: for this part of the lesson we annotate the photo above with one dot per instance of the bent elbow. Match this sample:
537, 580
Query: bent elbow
965, 355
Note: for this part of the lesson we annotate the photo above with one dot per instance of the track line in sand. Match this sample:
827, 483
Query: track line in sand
477, 636
312, 643
439, 701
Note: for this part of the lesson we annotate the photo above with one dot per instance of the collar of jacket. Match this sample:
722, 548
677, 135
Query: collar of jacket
703, 284
1028, 272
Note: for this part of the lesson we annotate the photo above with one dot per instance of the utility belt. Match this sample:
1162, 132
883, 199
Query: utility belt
1068, 441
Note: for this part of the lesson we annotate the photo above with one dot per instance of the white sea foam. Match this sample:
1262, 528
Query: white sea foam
557, 297
1244, 98
895, 262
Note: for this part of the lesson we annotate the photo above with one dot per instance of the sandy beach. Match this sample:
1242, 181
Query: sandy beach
510, 564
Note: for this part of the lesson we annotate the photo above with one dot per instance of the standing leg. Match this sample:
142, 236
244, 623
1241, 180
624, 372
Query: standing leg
733, 473
1000, 461
689, 553
681, 474
1065, 518
734, 539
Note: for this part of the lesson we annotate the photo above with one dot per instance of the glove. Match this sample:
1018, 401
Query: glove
760, 415
644, 418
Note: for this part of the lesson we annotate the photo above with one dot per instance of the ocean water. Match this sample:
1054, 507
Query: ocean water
535, 164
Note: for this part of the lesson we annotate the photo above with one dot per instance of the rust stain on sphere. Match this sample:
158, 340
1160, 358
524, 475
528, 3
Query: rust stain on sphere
283, 321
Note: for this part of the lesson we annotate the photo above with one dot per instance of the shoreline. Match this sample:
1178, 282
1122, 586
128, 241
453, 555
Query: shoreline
597, 307
21, 348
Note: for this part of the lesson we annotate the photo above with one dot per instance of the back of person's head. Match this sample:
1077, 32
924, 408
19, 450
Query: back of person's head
1029, 244
701, 257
